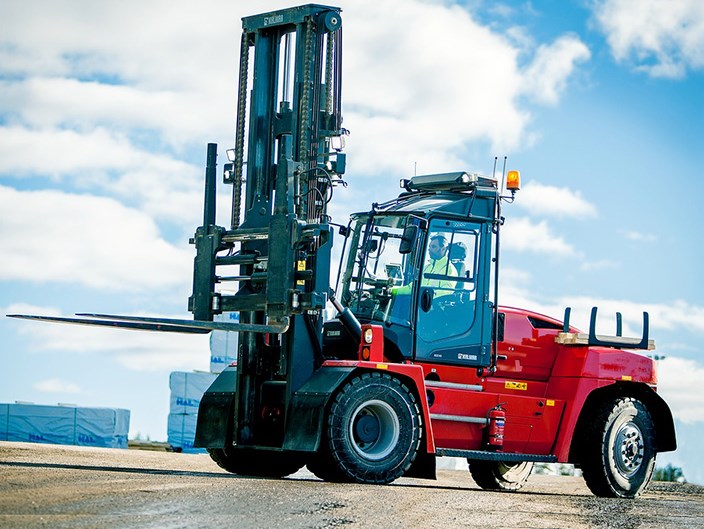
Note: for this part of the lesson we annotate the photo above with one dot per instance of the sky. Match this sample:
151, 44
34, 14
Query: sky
106, 109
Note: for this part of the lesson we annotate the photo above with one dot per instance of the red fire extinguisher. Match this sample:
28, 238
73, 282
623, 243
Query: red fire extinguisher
496, 420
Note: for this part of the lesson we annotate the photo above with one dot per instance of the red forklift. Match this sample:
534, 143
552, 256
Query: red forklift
419, 361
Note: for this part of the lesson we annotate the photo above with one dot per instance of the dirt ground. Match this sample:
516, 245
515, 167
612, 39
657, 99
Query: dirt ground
76, 487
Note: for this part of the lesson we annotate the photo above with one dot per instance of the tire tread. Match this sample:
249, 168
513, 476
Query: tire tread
259, 463
595, 467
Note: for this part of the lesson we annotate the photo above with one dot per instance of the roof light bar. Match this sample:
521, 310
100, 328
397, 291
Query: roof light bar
457, 181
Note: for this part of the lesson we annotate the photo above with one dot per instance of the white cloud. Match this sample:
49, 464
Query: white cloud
98, 242
680, 383
56, 385
523, 235
637, 236
552, 66
517, 277
146, 44
50, 102
681, 347
664, 39
62, 151
544, 200
100, 160
679, 314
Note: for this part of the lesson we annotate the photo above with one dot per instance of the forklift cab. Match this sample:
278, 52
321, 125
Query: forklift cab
425, 280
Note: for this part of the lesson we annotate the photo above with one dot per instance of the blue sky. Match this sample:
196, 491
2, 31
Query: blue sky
105, 111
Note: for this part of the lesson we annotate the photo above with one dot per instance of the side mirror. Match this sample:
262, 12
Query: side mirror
371, 246
409, 239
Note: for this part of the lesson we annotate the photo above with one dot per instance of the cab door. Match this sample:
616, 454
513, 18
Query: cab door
453, 312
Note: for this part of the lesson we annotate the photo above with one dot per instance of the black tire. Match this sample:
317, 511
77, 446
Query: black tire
373, 430
497, 475
323, 466
619, 449
259, 463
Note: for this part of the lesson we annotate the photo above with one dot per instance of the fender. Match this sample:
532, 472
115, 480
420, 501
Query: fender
661, 414
216, 411
306, 413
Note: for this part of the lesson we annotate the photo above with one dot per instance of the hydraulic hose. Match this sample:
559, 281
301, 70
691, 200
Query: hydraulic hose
347, 318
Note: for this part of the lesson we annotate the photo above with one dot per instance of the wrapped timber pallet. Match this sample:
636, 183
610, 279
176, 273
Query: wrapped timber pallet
186, 392
223, 344
64, 424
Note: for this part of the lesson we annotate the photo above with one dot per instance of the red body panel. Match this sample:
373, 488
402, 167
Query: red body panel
541, 385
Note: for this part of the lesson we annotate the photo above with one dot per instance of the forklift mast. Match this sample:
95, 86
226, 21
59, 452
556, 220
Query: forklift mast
290, 126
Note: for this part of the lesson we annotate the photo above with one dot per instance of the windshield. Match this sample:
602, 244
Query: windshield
373, 269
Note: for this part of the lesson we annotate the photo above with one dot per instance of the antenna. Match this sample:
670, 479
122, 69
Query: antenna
503, 175
493, 173
415, 168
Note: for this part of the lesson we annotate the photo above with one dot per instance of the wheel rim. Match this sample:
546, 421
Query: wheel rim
629, 449
374, 430
514, 472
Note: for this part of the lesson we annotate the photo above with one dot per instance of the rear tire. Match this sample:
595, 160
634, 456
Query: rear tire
323, 466
498, 475
373, 431
619, 449
259, 463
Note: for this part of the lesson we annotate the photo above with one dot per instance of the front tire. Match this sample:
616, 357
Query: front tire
498, 475
259, 463
619, 450
373, 430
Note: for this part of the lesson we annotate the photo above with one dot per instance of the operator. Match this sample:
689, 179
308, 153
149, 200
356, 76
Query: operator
438, 264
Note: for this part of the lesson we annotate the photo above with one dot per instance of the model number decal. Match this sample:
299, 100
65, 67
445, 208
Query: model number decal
516, 385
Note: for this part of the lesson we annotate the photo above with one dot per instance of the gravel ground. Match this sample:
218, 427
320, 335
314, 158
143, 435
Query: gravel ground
77, 487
